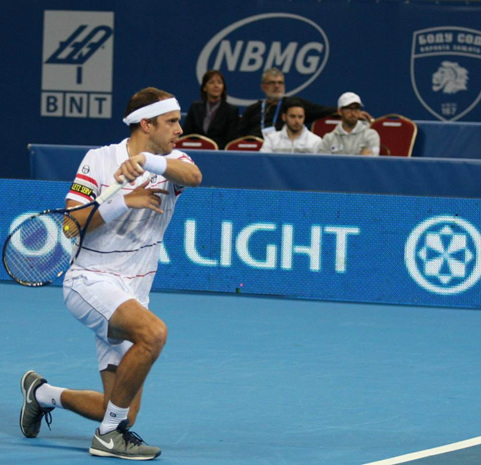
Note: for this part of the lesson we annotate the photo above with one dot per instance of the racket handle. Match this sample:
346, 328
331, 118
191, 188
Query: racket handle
111, 191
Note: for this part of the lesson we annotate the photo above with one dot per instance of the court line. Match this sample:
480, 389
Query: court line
429, 452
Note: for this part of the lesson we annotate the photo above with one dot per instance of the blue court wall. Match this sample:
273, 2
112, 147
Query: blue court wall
70, 66
309, 245
449, 177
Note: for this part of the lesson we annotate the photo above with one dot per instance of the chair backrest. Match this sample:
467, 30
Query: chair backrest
246, 143
324, 125
384, 150
196, 141
397, 134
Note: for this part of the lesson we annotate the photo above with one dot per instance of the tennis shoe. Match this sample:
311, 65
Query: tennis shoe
123, 444
32, 413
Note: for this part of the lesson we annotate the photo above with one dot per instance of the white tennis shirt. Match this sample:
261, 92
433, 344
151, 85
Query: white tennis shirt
129, 246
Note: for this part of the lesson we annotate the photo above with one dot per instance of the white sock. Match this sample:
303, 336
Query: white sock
113, 416
49, 396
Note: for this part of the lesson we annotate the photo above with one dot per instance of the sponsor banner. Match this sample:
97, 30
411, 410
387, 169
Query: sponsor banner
446, 70
258, 42
77, 64
341, 247
82, 65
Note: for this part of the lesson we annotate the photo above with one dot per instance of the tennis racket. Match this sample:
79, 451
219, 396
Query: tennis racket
42, 246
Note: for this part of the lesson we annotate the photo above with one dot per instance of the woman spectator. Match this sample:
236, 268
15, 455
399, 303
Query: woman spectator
213, 116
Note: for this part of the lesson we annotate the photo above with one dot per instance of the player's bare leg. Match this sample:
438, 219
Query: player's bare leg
148, 333
92, 404
133, 322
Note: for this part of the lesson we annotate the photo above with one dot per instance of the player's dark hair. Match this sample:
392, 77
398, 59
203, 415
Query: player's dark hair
143, 98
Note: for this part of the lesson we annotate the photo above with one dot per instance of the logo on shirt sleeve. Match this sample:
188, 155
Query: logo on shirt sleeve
84, 190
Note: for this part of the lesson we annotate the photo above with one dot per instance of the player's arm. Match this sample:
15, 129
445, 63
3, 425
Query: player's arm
177, 171
141, 197
182, 173
82, 215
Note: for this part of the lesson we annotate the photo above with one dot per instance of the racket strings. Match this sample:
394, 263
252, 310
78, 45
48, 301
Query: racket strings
39, 250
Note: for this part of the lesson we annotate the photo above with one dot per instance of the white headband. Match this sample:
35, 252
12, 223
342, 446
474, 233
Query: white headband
154, 109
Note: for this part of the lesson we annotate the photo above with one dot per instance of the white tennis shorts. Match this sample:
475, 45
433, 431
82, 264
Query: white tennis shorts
93, 299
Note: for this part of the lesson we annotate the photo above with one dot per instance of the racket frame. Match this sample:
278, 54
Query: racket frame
95, 204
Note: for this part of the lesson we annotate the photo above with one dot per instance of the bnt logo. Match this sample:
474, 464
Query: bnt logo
241, 51
443, 255
77, 64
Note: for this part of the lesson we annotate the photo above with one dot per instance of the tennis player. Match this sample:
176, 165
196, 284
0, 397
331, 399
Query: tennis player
107, 288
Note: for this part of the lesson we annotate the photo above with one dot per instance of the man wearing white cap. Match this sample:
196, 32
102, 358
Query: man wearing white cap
107, 288
351, 136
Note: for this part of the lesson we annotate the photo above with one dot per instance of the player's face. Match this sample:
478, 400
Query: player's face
274, 87
214, 88
166, 132
350, 115
294, 119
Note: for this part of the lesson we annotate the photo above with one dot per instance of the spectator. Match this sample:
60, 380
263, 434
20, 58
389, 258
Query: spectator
212, 116
351, 136
294, 136
263, 116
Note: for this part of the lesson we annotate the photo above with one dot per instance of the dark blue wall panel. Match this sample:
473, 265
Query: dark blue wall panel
69, 67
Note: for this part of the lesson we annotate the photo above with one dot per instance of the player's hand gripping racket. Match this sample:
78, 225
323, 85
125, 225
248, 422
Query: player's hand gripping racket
42, 247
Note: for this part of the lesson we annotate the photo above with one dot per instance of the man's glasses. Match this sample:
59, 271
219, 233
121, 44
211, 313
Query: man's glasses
351, 108
271, 83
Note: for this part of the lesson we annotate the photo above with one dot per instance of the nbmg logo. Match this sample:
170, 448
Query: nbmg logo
443, 255
292, 43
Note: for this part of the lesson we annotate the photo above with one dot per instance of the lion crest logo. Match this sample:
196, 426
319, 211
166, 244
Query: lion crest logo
450, 78
446, 70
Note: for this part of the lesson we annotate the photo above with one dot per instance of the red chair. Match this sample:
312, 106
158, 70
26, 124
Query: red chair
196, 142
324, 125
383, 150
397, 134
246, 143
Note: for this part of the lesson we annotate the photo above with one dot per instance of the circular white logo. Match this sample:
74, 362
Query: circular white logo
442, 254
242, 50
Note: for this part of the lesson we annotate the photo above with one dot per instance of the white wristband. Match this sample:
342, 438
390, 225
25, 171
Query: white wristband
155, 163
113, 208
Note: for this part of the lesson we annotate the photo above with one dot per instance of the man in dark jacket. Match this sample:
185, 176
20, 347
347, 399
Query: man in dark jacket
264, 116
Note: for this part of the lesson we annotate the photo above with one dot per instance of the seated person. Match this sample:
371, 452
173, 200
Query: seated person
294, 137
213, 116
264, 116
351, 136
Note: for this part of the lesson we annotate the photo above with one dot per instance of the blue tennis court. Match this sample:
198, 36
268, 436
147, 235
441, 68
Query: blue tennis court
255, 381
